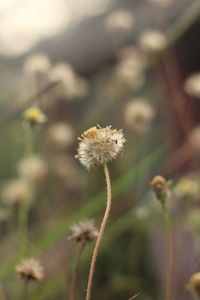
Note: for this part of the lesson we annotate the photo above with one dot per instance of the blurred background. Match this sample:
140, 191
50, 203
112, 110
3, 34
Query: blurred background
132, 64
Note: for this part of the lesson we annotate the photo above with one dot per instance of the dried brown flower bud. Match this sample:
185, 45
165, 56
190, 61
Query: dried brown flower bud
30, 269
194, 284
160, 187
84, 231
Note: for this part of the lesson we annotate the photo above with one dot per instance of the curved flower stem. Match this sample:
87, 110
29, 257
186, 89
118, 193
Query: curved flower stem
170, 253
101, 232
75, 272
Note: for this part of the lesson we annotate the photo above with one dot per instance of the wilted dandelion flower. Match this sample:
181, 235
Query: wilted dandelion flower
33, 167
99, 145
160, 187
16, 191
192, 85
194, 284
37, 63
83, 231
152, 41
119, 21
34, 115
186, 187
61, 134
138, 115
71, 86
30, 269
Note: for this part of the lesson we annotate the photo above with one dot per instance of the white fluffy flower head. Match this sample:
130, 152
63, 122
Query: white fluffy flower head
99, 145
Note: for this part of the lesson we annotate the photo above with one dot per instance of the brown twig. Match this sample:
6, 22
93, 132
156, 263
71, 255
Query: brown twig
12, 114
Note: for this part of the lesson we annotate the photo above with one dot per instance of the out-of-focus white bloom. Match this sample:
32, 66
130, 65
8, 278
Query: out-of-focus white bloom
16, 191
142, 212
194, 139
119, 21
133, 54
187, 187
129, 72
99, 145
61, 134
65, 167
30, 269
37, 63
193, 220
71, 86
152, 41
33, 167
138, 115
161, 3
192, 85
84, 231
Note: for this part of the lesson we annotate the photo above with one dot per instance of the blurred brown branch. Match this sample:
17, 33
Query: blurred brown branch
13, 113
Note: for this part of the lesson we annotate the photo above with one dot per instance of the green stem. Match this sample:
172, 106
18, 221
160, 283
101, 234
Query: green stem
168, 225
75, 272
24, 208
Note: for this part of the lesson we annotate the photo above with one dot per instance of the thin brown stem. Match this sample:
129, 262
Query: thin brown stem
75, 272
11, 114
101, 232
134, 296
170, 254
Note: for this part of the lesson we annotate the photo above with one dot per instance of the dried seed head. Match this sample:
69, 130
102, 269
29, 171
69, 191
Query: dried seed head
152, 41
160, 187
33, 167
84, 231
119, 21
194, 284
99, 145
138, 115
34, 115
37, 63
30, 269
192, 85
16, 191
